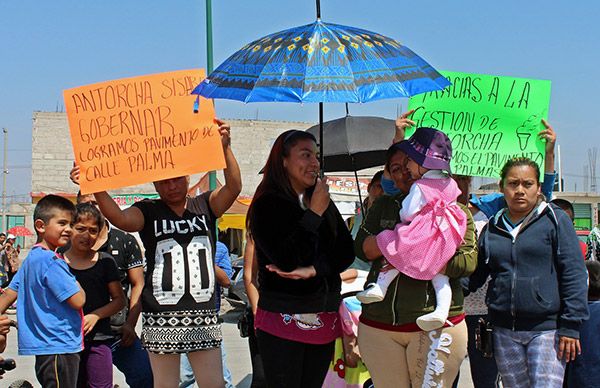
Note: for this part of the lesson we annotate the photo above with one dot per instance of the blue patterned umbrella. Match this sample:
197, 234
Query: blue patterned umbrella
321, 62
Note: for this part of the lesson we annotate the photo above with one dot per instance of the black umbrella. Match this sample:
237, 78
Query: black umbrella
354, 143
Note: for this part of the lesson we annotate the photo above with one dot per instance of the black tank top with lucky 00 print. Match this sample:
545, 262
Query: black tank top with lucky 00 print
179, 255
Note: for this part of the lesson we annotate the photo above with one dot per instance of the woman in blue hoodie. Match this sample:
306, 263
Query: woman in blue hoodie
537, 296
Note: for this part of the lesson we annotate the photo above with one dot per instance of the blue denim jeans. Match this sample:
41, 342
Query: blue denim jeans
134, 363
186, 374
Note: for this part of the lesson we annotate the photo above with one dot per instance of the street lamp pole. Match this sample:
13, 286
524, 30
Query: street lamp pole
4, 173
212, 175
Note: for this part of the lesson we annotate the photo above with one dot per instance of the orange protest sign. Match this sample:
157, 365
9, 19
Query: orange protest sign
141, 129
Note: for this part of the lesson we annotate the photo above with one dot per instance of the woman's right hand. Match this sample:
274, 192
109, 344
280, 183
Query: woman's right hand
74, 174
300, 273
320, 197
351, 352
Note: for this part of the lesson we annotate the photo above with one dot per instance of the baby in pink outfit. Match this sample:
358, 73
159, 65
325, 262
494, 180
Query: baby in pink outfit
432, 226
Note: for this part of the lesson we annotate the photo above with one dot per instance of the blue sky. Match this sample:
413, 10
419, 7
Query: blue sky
50, 46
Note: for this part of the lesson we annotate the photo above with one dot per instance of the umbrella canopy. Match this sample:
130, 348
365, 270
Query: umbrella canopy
355, 143
321, 62
20, 231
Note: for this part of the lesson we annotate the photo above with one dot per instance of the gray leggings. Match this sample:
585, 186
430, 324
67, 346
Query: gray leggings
528, 358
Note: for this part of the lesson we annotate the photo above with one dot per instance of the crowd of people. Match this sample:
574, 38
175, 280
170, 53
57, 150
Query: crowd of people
423, 276
9, 258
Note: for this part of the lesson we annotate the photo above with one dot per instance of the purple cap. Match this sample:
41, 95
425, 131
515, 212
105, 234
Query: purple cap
429, 148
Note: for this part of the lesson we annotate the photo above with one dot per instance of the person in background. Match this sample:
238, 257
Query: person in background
128, 355
223, 272
11, 256
251, 284
567, 207
50, 298
593, 244
302, 245
375, 191
98, 275
537, 295
3, 262
484, 372
585, 370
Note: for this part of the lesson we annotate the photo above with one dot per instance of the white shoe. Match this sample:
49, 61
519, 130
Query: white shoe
431, 321
373, 293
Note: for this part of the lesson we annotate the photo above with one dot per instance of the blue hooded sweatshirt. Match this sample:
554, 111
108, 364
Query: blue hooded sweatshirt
538, 279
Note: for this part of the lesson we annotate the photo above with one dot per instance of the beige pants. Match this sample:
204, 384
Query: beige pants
418, 359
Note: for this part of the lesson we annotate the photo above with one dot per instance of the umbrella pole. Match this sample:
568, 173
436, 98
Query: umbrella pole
318, 9
362, 207
321, 153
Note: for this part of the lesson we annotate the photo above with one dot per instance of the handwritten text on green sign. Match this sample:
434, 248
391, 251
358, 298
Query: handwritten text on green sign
489, 119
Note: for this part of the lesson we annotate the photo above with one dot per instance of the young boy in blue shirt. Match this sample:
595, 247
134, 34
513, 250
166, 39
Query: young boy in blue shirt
49, 307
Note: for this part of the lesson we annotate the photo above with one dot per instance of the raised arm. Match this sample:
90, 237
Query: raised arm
402, 124
222, 198
549, 176
550, 136
129, 220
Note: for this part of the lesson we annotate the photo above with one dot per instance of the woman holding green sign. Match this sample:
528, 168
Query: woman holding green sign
537, 292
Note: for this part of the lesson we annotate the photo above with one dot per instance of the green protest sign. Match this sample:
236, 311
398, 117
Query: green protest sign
489, 119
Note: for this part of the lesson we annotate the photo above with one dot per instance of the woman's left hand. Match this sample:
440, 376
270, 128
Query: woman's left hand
225, 132
568, 348
89, 321
299, 273
549, 135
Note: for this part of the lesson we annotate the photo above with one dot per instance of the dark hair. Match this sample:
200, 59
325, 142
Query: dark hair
275, 178
80, 198
86, 209
593, 268
46, 208
393, 150
562, 203
2, 234
518, 162
376, 177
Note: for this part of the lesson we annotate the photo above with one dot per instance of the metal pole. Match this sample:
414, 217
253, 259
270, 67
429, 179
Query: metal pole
318, 9
212, 175
362, 207
560, 175
4, 172
321, 153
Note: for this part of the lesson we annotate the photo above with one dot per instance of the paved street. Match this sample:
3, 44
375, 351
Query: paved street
238, 357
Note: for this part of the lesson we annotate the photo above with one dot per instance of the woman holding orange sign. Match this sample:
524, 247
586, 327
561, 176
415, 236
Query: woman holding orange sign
178, 233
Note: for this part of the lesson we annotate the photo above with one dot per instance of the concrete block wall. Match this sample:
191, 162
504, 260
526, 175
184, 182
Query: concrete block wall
52, 153
251, 141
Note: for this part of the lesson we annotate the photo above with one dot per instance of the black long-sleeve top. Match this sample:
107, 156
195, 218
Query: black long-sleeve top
290, 237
